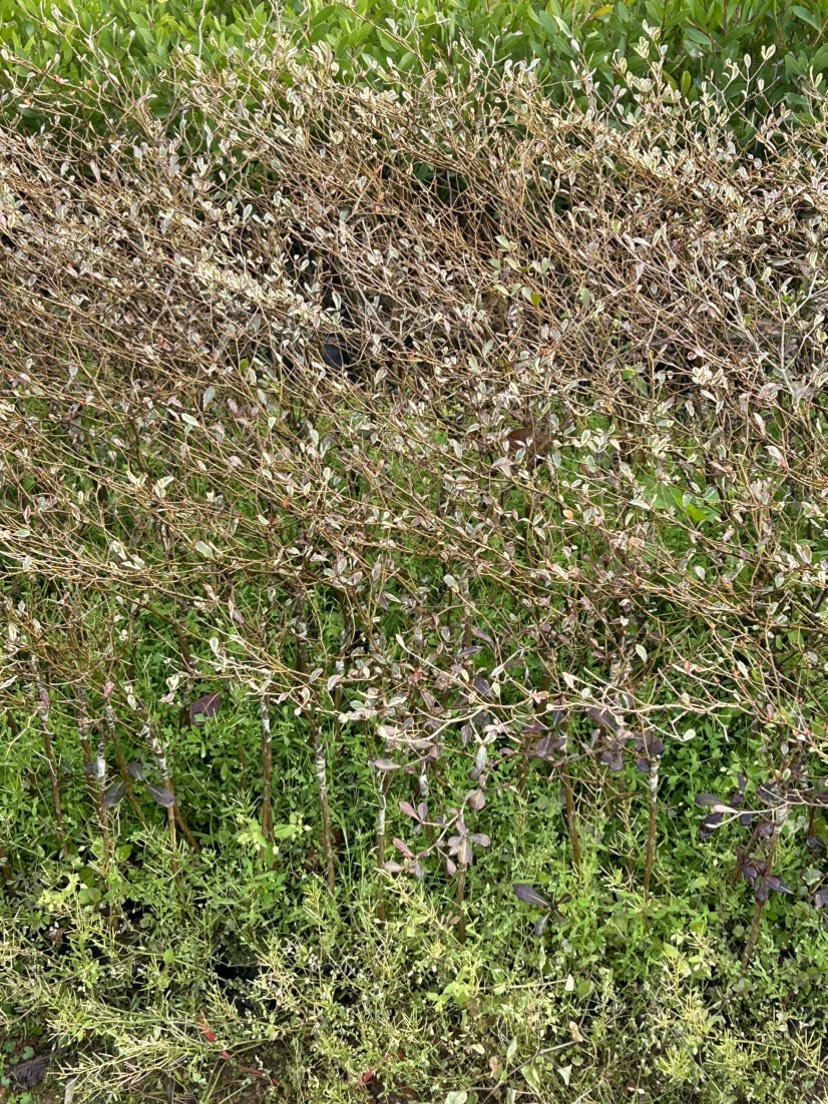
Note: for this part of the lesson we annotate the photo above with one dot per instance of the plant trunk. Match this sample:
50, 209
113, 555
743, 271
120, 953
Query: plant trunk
95, 769
381, 815
571, 822
758, 909
461, 904
321, 770
120, 759
651, 827
43, 713
5, 869
267, 774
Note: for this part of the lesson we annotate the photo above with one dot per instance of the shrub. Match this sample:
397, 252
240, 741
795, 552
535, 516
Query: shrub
401, 506
702, 41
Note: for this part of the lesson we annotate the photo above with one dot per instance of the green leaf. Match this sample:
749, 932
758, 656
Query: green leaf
807, 16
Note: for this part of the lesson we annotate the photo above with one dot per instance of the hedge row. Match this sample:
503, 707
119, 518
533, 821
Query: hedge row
757, 53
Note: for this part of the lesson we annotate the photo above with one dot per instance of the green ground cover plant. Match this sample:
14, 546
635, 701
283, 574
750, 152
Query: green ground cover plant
413, 554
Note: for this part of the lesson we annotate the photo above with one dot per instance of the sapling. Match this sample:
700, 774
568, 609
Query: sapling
120, 758
5, 868
382, 769
460, 848
761, 879
43, 713
321, 772
648, 752
554, 749
94, 767
267, 771
319, 760
164, 795
758, 873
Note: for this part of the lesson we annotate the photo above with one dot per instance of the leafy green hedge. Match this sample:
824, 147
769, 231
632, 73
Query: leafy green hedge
783, 41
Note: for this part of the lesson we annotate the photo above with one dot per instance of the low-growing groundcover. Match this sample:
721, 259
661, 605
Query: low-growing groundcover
413, 671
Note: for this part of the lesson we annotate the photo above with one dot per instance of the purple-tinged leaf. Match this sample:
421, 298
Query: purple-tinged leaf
135, 770
777, 884
603, 719
708, 826
90, 770
480, 838
821, 898
546, 747
484, 636
707, 800
113, 794
422, 811
529, 895
746, 819
451, 868
820, 798
476, 800
761, 892
481, 685
749, 873
430, 700
613, 757
464, 853
768, 794
533, 728
408, 810
418, 870
403, 848
161, 794
206, 706
815, 845
386, 765
392, 867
